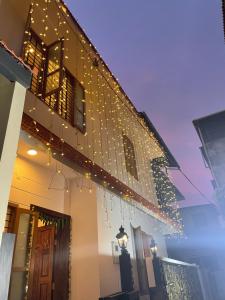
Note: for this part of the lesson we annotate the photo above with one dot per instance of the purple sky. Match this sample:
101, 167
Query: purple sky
169, 58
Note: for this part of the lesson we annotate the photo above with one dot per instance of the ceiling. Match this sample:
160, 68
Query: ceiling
44, 157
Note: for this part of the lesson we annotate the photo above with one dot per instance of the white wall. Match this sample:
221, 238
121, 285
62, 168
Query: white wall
30, 185
13, 17
84, 250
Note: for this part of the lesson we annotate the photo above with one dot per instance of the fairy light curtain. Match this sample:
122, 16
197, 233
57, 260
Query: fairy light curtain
108, 112
165, 190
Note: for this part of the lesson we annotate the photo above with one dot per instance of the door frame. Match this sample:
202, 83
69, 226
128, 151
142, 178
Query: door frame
62, 238
61, 259
140, 262
14, 229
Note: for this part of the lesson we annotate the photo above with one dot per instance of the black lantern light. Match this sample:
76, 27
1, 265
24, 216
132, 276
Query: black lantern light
122, 238
153, 247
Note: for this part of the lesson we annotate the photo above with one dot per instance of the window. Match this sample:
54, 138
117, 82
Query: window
10, 219
130, 159
34, 56
61, 100
66, 97
79, 107
53, 71
53, 82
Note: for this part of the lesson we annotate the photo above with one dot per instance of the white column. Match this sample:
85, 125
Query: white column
85, 279
12, 97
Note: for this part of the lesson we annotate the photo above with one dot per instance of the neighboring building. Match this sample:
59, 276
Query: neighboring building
83, 164
223, 11
211, 131
202, 243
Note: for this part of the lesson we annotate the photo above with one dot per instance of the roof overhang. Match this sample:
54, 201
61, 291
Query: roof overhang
171, 160
13, 67
200, 123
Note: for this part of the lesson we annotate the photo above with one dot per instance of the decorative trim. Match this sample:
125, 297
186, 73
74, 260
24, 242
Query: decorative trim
49, 217
100, 175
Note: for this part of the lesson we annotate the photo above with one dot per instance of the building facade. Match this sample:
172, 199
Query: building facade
211, 130
75, 162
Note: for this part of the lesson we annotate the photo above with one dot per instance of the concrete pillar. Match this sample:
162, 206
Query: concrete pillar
12, 97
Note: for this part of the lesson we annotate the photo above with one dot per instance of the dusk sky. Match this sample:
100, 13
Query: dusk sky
169, 57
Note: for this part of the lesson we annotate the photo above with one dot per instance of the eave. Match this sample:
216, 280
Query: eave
198, 123
171, 160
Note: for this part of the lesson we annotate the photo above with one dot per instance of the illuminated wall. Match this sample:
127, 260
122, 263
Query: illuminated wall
109, 114
96, 217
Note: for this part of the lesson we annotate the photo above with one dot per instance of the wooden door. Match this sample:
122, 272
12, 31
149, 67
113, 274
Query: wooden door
61, 267
61, 263
42, 264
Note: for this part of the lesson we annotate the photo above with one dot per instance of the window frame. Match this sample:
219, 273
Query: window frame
66, 73
130, 157
38, 41
47, 75
83, 129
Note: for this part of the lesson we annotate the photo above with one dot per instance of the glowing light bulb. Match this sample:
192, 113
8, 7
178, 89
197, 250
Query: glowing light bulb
32, 152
